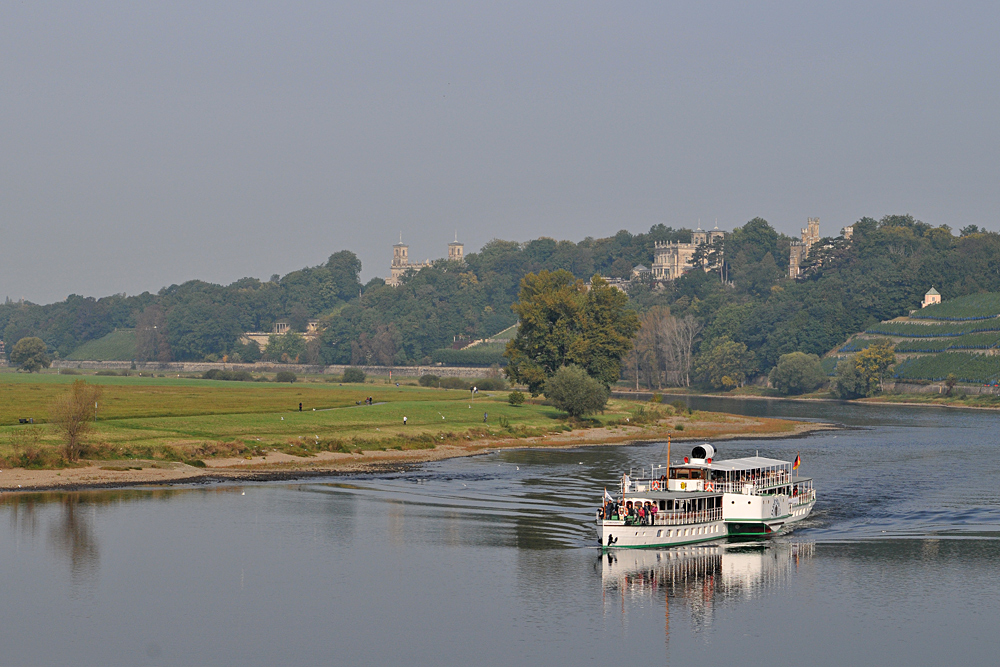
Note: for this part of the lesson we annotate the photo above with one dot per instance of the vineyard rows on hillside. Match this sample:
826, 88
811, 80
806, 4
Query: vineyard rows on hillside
971, 307
912, 330
975, 368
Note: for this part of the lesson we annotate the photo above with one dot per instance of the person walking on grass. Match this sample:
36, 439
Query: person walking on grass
486, 416
404, 421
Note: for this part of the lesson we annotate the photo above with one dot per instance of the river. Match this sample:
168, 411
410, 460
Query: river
493, 560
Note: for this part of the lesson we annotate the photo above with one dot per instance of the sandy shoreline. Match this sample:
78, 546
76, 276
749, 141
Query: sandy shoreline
278, 466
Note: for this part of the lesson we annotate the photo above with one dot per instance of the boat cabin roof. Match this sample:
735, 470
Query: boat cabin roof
670, 495
748, 463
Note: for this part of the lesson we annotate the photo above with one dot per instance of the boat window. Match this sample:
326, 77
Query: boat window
663, 504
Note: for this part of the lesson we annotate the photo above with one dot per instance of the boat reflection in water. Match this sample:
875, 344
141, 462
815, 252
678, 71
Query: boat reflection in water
698, 577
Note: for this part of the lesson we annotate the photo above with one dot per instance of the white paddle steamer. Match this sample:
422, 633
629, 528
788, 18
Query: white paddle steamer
703, 500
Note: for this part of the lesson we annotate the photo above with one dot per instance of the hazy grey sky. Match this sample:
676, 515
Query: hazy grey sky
145, 144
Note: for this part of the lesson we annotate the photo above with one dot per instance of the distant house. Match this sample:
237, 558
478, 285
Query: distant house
640, 272
799, 250
280, 328
932, 297
672, 260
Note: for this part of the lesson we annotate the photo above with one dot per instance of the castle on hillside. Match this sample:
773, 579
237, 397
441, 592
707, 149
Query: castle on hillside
799, 250
672, 260
401, 259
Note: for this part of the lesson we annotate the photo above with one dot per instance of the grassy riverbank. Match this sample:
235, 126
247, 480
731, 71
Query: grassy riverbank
158, 429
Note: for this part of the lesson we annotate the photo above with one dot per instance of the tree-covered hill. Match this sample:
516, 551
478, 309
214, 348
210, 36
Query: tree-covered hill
846, 287
198, 320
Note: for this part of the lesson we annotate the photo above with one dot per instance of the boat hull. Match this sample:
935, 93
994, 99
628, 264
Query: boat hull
763, 527
615, 534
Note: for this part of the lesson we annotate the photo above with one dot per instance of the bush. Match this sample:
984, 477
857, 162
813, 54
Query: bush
351, 375
679, 427
285, 376
515, 398
573, 391
679, 406
454, 383
429, 380
68, 371
797, 373
491, 384
108, 373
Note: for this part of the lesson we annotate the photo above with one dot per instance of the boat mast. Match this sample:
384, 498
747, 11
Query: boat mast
668, 460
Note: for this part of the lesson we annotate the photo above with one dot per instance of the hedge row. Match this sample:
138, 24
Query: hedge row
485, 354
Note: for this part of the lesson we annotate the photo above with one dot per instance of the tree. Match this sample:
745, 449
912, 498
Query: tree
848, 383
74, 414
863, 373
606, 332
151, 335
29, 354
376, 349
797, 373
562, 322
287, 348
549, 310
873, 363
950, 381
726, 365
676, 337
573, 390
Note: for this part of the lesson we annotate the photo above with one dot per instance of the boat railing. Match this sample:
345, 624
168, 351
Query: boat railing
671, 518
677, 518
803, 497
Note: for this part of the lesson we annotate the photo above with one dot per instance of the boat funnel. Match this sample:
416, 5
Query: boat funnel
703, 453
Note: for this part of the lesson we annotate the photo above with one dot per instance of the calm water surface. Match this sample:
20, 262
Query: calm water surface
492, 560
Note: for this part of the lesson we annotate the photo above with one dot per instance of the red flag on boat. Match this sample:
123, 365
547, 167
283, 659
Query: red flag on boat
797, 463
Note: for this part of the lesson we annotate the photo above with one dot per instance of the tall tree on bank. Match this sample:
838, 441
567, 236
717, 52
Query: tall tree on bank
151, 335
549, 310
74, 414
562, 322
29, 354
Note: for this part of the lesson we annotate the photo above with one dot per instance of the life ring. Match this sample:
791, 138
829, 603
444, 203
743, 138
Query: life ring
709, 486
655, 485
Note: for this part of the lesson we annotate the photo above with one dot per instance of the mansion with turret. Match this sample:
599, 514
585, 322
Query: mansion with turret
672, 260
401, 260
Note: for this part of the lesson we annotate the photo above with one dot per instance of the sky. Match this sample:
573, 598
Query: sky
145, 144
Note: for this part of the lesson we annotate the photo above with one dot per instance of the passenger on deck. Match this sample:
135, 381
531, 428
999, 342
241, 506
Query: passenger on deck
652, 513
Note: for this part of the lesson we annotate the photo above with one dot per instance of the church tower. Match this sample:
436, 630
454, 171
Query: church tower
456, 250
400, 252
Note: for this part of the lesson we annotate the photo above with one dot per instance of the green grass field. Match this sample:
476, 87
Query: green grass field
116, 346
184, 419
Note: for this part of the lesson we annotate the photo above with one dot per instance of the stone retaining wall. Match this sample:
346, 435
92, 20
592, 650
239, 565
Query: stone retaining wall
266, 367
939, 388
